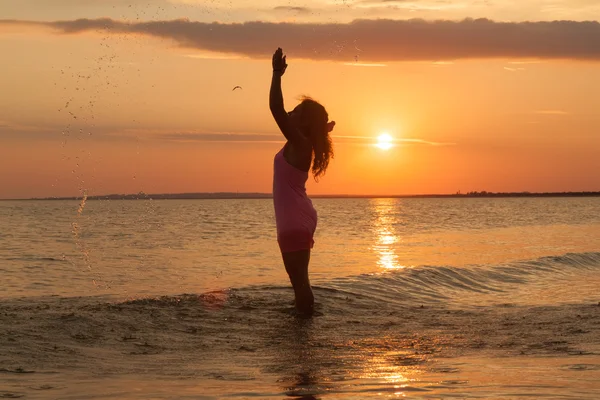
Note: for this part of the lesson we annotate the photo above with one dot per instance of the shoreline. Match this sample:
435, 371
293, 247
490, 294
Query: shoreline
250, 344
251, 196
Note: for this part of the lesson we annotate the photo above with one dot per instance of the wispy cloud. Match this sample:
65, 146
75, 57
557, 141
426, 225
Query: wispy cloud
213, 56
510, 69
380, 1
370, 139
125, 134
380, 40
253, 137
356, 64
409, 4
552, 112
519, 62
443, 63
295, 10
128, 134
168, 135
220, 137
8, 126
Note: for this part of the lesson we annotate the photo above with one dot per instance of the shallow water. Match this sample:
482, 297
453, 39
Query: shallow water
248, 343
427, 299
148, 248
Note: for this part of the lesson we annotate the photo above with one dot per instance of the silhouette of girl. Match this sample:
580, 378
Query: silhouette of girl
308, 146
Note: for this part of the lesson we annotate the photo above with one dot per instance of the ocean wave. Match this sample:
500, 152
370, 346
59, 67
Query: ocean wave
545, 280
443, 283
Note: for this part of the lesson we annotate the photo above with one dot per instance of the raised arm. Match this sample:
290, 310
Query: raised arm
291, 133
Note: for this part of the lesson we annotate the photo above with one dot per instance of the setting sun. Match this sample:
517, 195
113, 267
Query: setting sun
384, 141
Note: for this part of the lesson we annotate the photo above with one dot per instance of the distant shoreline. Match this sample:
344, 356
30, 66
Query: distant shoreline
248, 196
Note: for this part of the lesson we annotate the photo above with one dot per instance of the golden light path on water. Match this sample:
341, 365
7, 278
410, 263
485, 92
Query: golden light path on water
385, 231
395, 372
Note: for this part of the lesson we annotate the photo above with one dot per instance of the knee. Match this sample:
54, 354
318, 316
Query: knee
296, 274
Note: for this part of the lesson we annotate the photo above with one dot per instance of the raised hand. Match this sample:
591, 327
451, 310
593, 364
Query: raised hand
279, 63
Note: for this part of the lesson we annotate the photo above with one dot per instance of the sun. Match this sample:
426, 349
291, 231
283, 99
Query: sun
384, 141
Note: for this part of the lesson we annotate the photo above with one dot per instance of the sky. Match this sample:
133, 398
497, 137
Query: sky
124, 96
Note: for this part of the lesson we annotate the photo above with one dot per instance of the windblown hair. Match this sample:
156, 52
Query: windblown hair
316, 119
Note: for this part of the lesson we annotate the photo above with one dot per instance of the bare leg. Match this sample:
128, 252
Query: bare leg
296, 265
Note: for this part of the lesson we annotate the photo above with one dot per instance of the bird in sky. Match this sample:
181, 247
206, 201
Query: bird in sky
237, 87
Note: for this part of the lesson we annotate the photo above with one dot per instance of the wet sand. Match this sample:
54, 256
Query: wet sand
248, 343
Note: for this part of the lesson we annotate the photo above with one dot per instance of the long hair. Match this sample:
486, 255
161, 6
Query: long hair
316, 118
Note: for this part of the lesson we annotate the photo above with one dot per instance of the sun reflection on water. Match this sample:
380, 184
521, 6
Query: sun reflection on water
394, 372
385, 231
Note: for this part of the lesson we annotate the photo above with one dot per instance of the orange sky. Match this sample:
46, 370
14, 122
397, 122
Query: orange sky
143, 106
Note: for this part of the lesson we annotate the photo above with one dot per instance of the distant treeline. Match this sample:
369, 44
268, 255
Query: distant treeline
228, 195
515, 194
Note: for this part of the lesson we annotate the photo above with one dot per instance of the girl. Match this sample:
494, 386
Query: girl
306, 129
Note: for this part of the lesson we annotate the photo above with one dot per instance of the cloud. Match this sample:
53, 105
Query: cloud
432, 4
379, 40
299, 10
113, 134
16, 127
248, 137
552, 112
399, 7
379, 2
520, 62
356, 64
370, 139
125, 134
221, 137
212, 56
514, 69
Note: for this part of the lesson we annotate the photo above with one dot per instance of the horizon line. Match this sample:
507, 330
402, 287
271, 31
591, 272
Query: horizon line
261, 195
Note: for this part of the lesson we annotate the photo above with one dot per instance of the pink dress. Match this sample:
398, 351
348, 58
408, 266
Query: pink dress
295, 216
